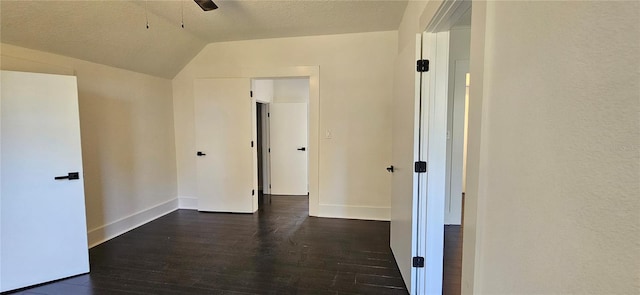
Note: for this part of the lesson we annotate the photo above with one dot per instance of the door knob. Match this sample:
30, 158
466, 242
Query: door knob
302, 149
70, 176
390, 168
200, 154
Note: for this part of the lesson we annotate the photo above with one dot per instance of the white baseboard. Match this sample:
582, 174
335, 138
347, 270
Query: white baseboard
109, 231
188, 203
355, 212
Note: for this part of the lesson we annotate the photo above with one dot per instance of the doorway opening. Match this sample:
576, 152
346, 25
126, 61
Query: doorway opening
262, 137
457, 114
282, 134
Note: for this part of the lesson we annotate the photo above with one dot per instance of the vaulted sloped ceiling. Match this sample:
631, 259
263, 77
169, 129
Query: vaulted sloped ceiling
114, 32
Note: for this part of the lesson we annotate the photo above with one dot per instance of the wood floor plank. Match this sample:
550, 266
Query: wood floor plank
279, 250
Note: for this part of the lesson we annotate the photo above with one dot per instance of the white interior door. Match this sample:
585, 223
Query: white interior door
433, 150
43, 226
224, 140
289, 156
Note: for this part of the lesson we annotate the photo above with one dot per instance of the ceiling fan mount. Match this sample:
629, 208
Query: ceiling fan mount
206, 5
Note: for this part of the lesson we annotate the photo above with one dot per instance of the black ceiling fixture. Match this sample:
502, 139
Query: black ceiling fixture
206, 5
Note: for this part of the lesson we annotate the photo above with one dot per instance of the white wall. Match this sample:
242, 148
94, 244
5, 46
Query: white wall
355, 105
554, 144
262, 90
291, 90
128, 145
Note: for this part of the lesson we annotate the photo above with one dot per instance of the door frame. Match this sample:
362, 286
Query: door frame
313, 74
264, 145
431, 143
429, 212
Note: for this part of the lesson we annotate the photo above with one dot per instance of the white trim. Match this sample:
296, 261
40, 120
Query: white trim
431, 216
313, 149
419, 179
448, 13
190, 203
476, 152
109, 231
313, 72
354, 212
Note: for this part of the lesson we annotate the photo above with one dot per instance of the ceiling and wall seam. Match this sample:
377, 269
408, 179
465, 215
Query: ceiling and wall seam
114, 33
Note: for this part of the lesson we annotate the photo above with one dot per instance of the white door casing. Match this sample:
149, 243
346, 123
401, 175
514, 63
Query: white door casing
43, 226
289, 148
224, 114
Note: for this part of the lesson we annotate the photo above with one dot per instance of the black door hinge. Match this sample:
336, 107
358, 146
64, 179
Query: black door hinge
253, 192
421, 167
422, 65
268, 114
269, 149
251, 93
252, 143
269, 186
418, 261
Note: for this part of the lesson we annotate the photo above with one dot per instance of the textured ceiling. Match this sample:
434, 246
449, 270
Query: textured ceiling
114, 32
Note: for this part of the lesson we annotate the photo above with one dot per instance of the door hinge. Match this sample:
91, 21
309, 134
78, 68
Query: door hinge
268, 115
253, 192
418, 261
421, 167
422, 65
269, 186
252, 143
269, 150
251, 93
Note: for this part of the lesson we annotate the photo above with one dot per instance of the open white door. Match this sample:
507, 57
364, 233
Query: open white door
288, 140
433, 150
43, 227
225, 148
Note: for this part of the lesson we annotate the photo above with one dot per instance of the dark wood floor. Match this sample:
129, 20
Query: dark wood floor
280, 250
452, 271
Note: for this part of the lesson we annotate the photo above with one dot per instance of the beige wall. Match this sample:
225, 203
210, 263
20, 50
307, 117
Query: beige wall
128, 145
356, 76
554, 149
552, 183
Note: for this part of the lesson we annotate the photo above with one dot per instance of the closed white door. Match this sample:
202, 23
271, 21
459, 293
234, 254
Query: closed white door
289, 156
43, 227
224, 145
